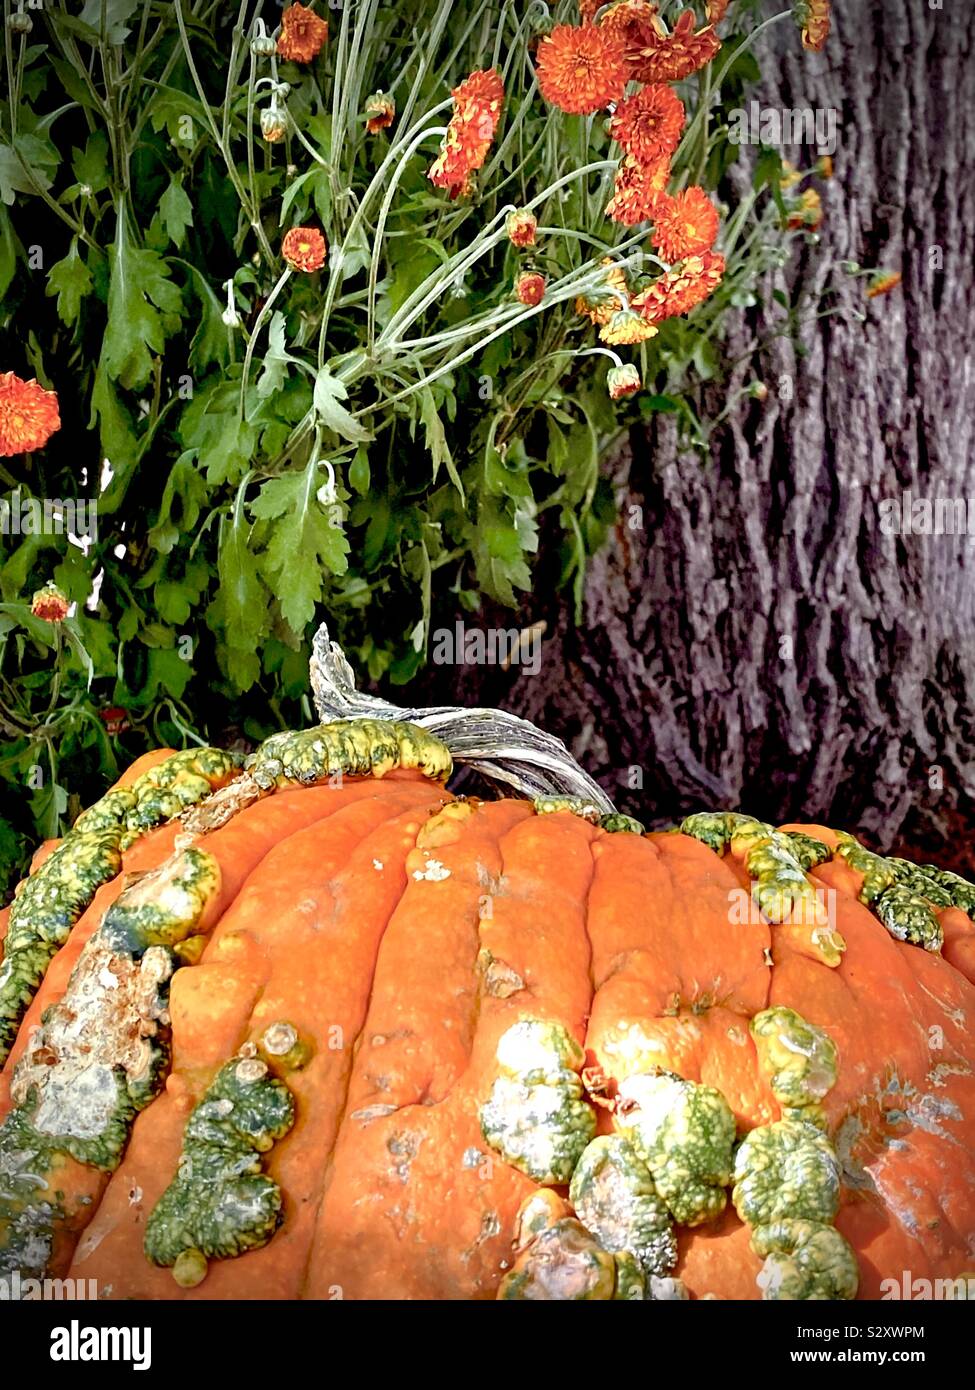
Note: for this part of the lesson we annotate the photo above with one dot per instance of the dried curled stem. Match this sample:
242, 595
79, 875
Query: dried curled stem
499, 745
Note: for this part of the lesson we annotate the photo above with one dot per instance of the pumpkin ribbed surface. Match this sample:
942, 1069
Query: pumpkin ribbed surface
366, 1024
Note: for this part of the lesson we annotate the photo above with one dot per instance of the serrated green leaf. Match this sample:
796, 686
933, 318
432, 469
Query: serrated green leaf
276, 359
140, 294
172, 601
119, 443
15, 178
329, 394
176, 212
90, 165
500, 547
211, 428
70, 279
240, 609
166, 671
304, 543
436, 441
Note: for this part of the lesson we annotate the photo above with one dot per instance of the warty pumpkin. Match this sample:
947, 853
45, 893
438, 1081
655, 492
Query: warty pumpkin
312, 1027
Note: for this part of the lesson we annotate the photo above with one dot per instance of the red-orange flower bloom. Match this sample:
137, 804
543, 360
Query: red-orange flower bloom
380, 112
812, 16
530, 287
302, 34
521, 227
28, 415
637, 190
304, 248
684, 225
716, 10
630, 19
662, 57
649, 125
464, 148
50, 604
581, 70
677, 291
883, 282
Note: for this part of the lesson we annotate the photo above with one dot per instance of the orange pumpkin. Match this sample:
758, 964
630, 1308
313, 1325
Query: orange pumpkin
316, 1028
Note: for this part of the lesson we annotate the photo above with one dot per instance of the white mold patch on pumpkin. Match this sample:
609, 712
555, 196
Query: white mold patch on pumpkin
102, 1025
494, 885
435, 872
956, 1015
940, 1074
854, 1172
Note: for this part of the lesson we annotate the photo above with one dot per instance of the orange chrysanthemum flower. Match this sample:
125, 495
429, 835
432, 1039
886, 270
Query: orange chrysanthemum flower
678, 290
50, 603
622, 381
587, 10
602, 303
28, 415
304, 248
380, 113
530, 287
716, 10
521, 227
807, 214
662, 57
630, 19
684, 225
637, 190
481, 94
581, 70
464, 148
813, 16
627, 327
883, 282
302, 34
600, 306
649, 125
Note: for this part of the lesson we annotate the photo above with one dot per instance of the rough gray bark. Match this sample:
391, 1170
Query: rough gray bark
683, 667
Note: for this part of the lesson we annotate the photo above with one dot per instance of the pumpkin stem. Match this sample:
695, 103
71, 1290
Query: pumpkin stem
497, 744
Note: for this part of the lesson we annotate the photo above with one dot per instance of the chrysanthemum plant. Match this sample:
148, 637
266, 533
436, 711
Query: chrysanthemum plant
335, 305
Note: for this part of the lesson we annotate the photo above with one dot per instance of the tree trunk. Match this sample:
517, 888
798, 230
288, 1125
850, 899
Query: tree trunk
761, 642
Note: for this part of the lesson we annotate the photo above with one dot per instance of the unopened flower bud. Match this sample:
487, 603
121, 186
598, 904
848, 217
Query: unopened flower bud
274, 123
623, 381
380, 112
521, 227
530, 287
50, 604
230, 316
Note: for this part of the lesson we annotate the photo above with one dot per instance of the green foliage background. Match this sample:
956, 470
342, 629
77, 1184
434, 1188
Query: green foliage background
361, 467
